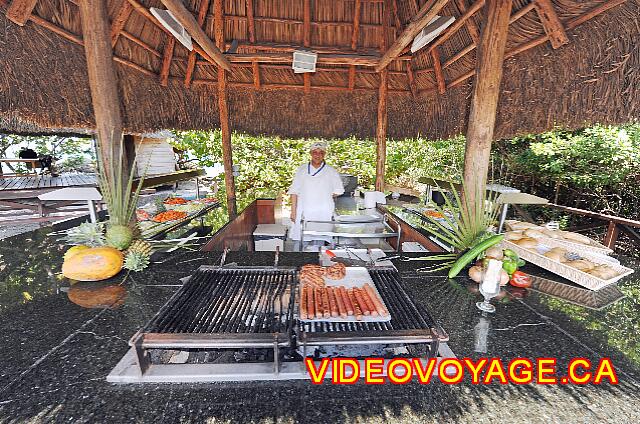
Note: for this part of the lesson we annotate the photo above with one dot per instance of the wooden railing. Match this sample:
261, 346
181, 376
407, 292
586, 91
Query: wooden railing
615, 224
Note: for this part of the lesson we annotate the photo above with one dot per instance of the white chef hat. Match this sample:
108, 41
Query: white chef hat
318, 145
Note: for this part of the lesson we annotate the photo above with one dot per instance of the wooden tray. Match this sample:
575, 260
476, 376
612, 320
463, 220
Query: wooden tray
354, 277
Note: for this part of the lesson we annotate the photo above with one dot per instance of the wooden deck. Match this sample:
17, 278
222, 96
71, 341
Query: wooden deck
33, 182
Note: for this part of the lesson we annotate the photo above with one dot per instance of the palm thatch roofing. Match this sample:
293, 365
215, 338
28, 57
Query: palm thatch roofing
592, 75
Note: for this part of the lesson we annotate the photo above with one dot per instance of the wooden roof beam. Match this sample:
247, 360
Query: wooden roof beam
191, 61
551, 23
119, 21
167, 56
459, 23
325, 59
426, 13
437, 67
251, 22
357, 12
473, 29
188, 21
306, 40
19, 11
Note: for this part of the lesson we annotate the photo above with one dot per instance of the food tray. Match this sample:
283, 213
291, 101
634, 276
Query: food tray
572, 274
355, 277
593, 247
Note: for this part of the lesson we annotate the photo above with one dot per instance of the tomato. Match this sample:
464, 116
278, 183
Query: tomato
520, 279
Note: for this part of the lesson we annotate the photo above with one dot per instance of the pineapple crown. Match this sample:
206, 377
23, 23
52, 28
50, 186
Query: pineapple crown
86, 234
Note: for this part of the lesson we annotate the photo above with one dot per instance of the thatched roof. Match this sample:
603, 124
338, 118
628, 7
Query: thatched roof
594, 77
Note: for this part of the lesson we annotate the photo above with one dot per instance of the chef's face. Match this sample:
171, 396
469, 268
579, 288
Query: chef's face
317, 155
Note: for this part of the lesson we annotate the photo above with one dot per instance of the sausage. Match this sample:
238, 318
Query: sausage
342, 309
367, 299
326, 312
376, 301
333, 306
310, 305
356, 309
347, 301
303, 303
318, 302
363, 305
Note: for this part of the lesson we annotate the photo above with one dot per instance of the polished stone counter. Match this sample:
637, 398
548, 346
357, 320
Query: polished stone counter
56, 354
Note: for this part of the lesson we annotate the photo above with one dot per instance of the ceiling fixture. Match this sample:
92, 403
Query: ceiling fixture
304, 61
431, 31
169, 21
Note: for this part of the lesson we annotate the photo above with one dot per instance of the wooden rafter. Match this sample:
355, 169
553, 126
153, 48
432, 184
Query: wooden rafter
384, 33
119, 21
396, 17
251, 23
306, 40
381, 130
19, 11
188, 21
166, 61
426, 13
570, 24
256, 75
191, 60
474, 31
413, 10
523, 11
352, 77
551, 23
325, 59
459, 23
437, 67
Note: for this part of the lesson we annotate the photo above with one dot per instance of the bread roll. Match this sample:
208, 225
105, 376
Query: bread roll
532, 233
516, 226
575, 237
581, 264
554, 256
527, 243
551, 234
513, 235
603, 272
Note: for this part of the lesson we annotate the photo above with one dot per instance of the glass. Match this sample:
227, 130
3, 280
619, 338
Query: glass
490, 286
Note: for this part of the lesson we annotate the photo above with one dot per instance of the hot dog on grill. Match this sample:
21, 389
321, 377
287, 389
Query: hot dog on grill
376, 301
367, 299
318, 302
326, 312
347, 301
303, 303
356, 308
361, 303
333, 306
342, 309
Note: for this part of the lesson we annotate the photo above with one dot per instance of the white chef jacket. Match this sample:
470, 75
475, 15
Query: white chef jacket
315, 188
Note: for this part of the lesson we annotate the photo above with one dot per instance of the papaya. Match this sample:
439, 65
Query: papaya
93, 264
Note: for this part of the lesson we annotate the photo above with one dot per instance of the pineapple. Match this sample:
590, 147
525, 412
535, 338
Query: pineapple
136, 261
86, 234
140, 246
119, 236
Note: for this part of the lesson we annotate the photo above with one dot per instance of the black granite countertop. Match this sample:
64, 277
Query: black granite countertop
56, 354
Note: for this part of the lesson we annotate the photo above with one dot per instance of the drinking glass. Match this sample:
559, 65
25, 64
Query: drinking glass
490, 286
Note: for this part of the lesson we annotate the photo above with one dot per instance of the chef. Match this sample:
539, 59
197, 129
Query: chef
315, 184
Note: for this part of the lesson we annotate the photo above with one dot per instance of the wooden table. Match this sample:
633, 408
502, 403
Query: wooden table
35, 163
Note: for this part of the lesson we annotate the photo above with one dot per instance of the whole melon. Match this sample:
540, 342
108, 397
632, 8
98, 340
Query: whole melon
93, 264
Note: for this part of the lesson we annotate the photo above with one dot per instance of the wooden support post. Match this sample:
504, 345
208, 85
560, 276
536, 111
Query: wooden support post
551, 23
426, 13
306, 35
19, 11
256, 75
170, 44
484, 101
103, 82
474, 32
191, 61
612, 235
223, 107
437, 68
381, 131
119, 21
412, 80
354, 41
186, 19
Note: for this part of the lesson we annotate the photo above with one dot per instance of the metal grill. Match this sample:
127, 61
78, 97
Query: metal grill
220, 308
410, 323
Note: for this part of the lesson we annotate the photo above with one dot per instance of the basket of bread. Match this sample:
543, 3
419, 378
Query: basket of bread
592, 270
572, 241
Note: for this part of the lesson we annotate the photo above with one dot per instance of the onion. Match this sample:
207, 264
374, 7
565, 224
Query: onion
494, 252
476, 273
504, 277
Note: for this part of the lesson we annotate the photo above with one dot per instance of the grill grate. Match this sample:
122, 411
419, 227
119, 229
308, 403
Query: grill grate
238, 301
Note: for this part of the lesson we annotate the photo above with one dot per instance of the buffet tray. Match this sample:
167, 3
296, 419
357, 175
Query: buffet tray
355, 276
572, 274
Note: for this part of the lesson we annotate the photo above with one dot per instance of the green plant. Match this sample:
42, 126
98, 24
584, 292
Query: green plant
86, 234
120, 198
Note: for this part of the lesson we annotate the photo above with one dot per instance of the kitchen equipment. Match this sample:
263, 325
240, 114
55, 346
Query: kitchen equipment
372, 198
350, 183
